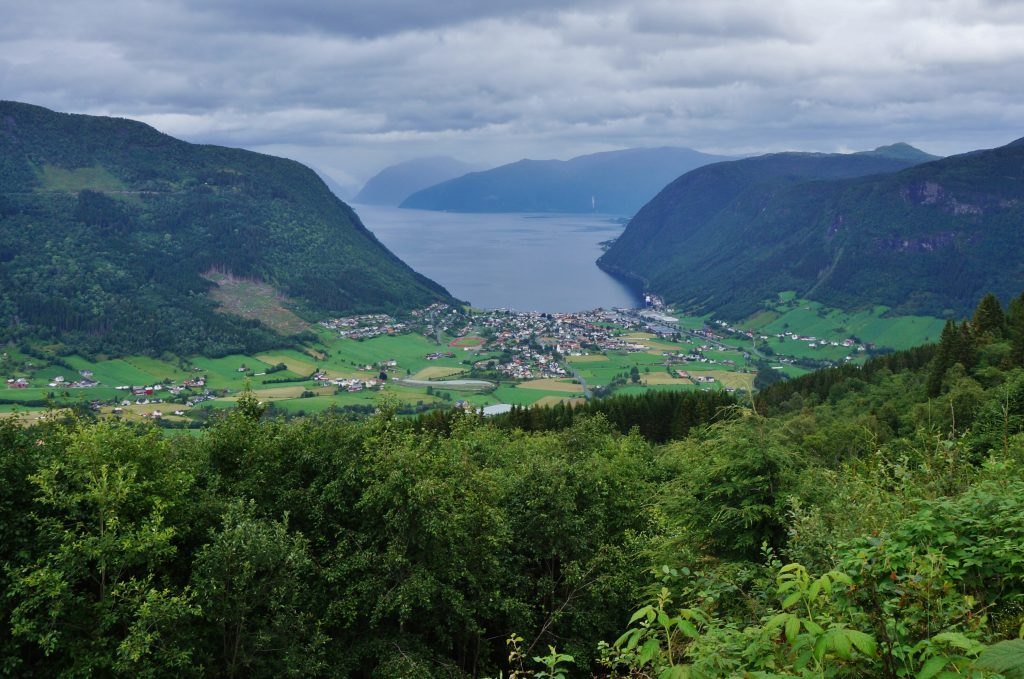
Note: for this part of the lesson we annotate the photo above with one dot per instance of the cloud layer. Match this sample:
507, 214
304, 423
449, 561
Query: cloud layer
351, 88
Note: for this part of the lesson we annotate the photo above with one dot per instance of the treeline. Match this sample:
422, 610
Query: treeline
820, 383
658, 416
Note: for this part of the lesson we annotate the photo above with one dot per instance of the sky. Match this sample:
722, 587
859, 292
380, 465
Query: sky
352, 86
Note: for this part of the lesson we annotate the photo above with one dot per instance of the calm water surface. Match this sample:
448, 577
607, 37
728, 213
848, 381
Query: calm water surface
525, 262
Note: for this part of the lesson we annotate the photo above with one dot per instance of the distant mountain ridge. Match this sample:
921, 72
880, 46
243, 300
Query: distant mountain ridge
612, 182
842, 229
108, 226
394, 184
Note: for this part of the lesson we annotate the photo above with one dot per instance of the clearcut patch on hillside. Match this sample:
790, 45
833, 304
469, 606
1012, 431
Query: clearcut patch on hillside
252, 299
96, 178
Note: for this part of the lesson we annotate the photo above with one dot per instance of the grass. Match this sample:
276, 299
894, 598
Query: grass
555, 400
409, 351
727, 378
507, 393
226, 370
296, 365
869, 325
617, 365
435, 371
655, 377
96, 178
551, 384
589, 358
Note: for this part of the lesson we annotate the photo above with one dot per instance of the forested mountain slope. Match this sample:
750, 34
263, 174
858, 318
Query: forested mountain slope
614, 182
107, 227
927, 239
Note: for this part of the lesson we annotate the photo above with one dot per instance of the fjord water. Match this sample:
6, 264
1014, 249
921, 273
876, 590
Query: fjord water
525, 262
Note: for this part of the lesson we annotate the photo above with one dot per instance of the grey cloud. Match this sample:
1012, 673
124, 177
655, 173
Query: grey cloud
362, 84
373, 18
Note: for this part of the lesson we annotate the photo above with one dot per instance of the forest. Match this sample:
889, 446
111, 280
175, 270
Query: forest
856, 522
109, 231
894, 227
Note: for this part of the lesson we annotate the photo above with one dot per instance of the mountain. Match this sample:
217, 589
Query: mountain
930, 239
110, 234
614, 182
394, 184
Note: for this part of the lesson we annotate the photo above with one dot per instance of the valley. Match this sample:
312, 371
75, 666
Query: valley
443, 357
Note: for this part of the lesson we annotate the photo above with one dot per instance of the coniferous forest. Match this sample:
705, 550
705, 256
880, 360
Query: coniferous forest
856, 522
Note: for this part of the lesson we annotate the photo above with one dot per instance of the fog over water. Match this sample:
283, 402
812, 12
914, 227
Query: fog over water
526, 262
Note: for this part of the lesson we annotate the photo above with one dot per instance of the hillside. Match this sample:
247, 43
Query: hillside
107, 228
928, 239
394, 184
614, 182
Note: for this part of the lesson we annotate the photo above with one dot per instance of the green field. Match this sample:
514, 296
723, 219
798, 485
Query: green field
409, 351
872, 326
617, 365
508, 393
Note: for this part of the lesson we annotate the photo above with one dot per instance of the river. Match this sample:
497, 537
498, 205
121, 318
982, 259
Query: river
525, 262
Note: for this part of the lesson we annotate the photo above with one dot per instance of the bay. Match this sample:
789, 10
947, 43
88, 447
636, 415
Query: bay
524, 262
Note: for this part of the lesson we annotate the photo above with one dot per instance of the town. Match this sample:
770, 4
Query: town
482, 355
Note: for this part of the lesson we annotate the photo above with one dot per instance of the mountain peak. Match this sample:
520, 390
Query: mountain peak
902, 151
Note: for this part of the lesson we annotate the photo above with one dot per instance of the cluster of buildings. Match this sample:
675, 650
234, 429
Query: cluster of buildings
530, 365
439, 355
696, 379
85, 381
365, 326
815, 342
351, 384
438, 319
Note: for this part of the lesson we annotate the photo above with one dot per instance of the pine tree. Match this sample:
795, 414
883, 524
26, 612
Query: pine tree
989, 322
966, 347
944, 358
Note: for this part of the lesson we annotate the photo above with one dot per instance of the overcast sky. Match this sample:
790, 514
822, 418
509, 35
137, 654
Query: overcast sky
354, 85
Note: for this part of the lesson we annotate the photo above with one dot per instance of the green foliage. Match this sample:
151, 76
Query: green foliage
255, 580
732, 496
398, 548
90, 598
1006, 658
659, 416
989, 320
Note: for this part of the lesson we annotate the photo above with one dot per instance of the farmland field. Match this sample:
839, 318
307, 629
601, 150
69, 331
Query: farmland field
555, 400
297, 364
435, 371
589, 358
811, 318
659, 377
728, 379
551, 384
